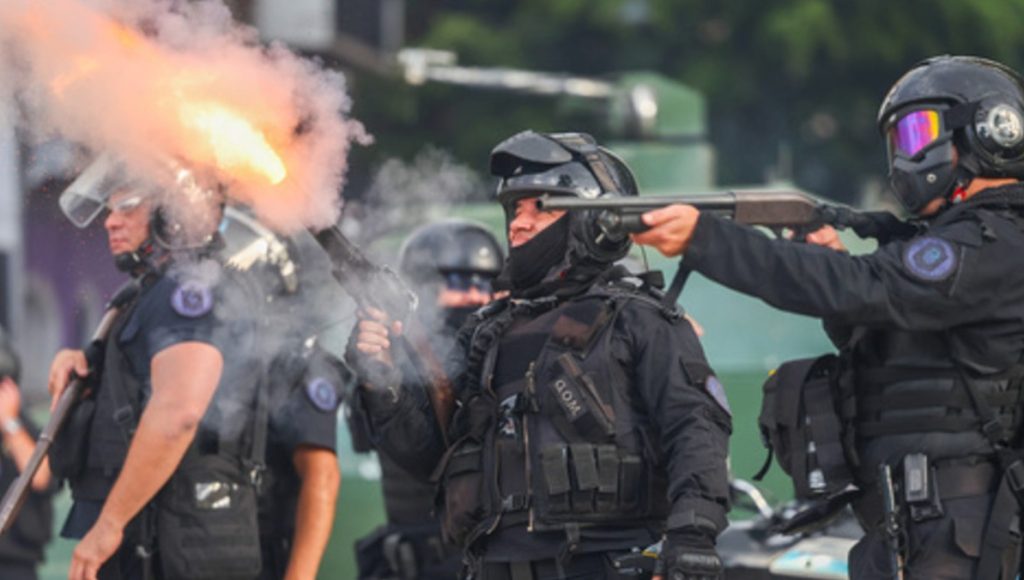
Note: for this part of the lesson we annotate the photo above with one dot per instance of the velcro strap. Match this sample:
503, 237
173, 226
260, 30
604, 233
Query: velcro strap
889, 375
555, 465
904, 426
872, 405
586, 466
607, 469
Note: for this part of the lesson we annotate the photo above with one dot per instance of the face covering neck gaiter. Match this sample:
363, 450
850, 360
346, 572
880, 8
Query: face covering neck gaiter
530, 262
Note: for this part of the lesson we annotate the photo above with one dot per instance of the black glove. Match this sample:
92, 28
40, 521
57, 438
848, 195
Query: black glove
689, 554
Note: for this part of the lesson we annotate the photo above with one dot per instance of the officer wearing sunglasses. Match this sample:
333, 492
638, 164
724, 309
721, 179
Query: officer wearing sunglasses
451, 265
931, 328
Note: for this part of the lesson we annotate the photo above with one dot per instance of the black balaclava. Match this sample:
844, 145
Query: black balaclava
456, 316
530, 262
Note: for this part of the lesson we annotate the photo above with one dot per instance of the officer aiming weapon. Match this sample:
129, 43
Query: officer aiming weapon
380, 287
892, 528
19, 490
774, 209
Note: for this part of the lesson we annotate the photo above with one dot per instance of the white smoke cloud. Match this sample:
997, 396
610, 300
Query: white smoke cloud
156, 79
405, 194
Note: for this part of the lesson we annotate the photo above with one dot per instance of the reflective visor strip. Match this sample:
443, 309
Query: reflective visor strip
915, 131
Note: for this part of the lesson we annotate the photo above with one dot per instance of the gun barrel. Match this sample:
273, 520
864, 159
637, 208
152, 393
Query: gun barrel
771, 208
713, 202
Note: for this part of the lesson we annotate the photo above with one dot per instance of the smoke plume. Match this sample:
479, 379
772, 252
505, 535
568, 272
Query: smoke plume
151, 80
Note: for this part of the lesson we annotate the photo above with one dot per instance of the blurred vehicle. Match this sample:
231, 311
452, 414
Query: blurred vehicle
757, 549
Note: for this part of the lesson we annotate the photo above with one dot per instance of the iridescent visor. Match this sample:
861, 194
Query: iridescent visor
914, 131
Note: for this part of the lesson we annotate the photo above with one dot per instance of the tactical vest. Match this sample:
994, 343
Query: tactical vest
913, 398
204, 520
590, 458
118, 399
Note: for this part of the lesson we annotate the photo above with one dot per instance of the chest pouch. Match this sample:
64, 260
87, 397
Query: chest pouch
461, 493
801, 424
206, 526
206, 519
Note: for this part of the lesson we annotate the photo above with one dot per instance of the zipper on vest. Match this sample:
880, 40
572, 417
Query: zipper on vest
526, 444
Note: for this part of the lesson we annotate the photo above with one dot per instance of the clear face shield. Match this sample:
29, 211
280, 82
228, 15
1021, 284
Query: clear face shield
89, 194
190, 211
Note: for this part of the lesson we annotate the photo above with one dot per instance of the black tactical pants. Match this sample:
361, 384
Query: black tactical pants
943, 548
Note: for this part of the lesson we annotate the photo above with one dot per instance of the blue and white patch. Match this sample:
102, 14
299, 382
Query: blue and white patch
322, 394
930, 259
714, 388
192, 299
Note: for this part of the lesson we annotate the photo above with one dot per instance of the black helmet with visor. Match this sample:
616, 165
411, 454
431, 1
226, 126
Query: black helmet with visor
948, 120
530, 164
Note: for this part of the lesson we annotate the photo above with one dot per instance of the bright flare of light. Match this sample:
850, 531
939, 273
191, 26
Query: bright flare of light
83, 66
237, 145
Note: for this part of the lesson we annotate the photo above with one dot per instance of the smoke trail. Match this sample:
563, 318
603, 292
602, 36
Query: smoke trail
403, 194
156, 79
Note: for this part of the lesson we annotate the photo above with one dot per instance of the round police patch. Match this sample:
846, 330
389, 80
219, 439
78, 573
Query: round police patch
930, 259
714, 388
322, 394
192, 299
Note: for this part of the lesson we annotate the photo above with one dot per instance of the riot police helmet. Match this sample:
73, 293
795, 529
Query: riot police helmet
530, 164
451, 248
948, 120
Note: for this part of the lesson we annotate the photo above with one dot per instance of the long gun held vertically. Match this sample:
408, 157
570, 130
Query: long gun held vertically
891, 526
776, 209
375, 286
16, 494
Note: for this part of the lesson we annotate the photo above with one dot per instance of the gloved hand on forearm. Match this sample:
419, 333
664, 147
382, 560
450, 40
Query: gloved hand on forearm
689, 554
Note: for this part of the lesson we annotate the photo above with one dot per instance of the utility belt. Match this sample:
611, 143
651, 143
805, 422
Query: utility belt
406, 553
922, 486
624, 566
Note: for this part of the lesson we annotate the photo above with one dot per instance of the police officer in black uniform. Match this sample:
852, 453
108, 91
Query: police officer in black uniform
300, 488
589, 420
22, 547
159, 370
931, 327
451, 265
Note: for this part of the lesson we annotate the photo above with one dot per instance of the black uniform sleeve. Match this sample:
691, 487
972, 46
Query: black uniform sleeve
306, 419
941, 279
688, 408
163, 320
402, 421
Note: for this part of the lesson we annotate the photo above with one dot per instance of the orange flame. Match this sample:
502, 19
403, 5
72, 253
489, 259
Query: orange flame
83, 65
237, 145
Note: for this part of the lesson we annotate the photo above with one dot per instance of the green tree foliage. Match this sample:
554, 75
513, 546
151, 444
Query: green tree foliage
803, 76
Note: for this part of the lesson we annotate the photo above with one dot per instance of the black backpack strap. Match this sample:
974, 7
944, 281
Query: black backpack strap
126, 407
256, 462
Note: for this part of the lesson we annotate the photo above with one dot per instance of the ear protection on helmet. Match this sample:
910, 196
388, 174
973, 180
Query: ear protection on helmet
997, 132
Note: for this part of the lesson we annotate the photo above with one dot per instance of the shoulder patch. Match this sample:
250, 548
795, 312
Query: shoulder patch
322, 394
714, 388
930, 259
192, 299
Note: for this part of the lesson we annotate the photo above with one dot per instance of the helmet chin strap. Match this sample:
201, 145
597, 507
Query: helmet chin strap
965, 174
142, 261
